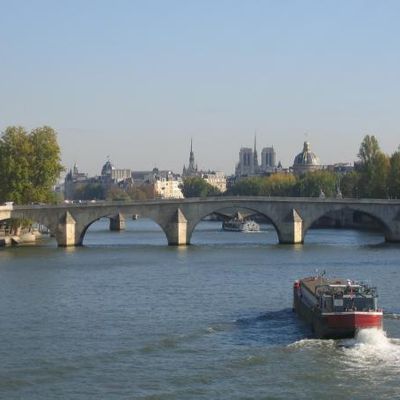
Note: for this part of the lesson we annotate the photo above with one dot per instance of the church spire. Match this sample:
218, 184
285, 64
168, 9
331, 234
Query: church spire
191, 170
191, 155
255, 156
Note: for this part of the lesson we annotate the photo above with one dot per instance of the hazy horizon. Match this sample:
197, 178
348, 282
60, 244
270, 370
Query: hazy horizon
137, 80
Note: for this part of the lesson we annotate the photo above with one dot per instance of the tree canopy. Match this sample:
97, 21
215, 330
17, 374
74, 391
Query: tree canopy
198, 187
373, 169
308, 185
313, 184
30, 164
394, 176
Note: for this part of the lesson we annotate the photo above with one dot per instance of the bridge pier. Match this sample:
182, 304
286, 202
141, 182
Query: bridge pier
176, 230
393, 236
65, 234
117, 223
290, 230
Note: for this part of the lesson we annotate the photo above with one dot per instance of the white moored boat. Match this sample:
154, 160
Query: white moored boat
240, 224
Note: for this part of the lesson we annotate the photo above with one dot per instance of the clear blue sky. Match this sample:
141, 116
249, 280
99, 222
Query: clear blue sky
135, 80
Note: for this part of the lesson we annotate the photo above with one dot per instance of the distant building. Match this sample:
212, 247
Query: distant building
191, 170
110, 174
168, 188
165, 184
341, 168
268, 159
306, 161
248, 161
73, 181
216, 179
245, 166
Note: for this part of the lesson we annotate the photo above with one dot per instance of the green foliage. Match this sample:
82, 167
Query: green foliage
139, 193
15, 158
374, 169
394, 176
312, 183
117, 194
350, 184
278, 185
45, 163
246, 187
90, 191
198, 187
369, 149
274, 185
29, 164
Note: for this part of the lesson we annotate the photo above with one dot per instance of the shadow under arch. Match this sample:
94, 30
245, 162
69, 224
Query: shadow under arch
347, 217
227, 212
147, 225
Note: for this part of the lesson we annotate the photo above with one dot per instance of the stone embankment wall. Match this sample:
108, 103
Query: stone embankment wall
10, 237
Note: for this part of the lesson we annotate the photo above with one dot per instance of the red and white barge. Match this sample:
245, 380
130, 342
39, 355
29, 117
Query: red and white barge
336, 308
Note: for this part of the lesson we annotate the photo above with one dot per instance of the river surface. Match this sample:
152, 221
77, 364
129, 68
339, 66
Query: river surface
127, 317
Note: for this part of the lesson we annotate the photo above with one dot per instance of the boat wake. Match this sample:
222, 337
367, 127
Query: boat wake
371, 347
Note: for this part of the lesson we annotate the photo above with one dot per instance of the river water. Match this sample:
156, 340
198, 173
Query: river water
127, 317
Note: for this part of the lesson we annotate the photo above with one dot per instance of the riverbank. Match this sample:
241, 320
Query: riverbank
24, 237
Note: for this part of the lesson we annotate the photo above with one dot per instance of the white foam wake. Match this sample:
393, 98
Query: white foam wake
372, 347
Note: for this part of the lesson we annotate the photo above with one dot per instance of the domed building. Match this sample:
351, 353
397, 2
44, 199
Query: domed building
306, 161
110, 174
107, 169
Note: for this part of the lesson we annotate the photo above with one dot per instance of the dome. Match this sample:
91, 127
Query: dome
107, 168
306, 160
306, 157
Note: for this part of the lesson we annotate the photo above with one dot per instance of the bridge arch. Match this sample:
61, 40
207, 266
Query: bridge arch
382, 225
112, 216
219, 208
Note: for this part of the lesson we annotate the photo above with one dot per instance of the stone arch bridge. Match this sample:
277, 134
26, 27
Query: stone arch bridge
291, 217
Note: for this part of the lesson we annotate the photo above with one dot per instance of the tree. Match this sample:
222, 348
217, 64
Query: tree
312, 183
116, 194
369, 149
90, 191
29, 164
198, 187
350, 184
278, 185
246, 187
45, 164
374, 169
394, 175
137, 193
15, 157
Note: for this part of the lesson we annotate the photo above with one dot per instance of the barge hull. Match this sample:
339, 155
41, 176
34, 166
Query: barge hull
336, 325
